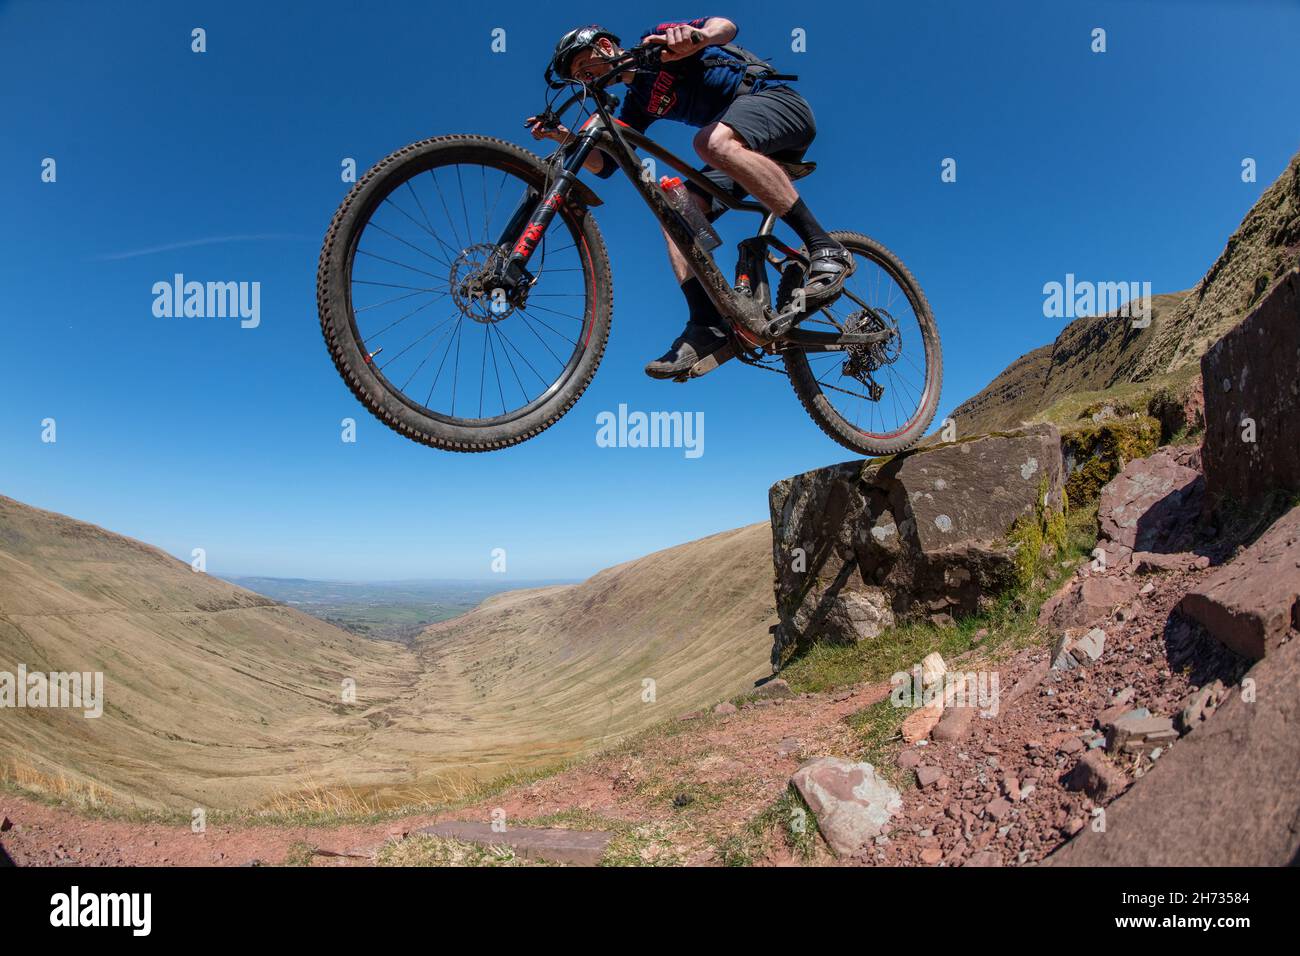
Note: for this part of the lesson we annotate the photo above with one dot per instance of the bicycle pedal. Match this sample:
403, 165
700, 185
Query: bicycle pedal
711, 361
813, 301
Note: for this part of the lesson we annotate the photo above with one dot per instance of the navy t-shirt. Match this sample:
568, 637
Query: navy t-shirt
688, 90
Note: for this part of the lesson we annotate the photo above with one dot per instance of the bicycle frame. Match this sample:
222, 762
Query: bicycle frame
755, 322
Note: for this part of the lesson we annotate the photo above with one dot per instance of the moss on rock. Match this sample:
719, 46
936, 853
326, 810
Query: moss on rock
1097, 451
1039, 538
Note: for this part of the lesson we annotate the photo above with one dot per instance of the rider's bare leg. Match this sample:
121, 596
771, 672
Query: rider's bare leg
722, 148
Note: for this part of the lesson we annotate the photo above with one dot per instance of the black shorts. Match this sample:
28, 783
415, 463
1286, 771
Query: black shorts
771, 120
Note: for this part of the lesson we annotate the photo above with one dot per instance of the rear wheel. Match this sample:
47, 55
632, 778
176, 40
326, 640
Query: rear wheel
876, 399
418, 333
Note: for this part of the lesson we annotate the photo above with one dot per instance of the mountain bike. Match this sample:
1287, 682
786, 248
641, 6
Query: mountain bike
463, 255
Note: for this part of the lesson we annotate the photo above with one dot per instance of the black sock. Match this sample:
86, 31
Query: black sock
803, 222
702, 309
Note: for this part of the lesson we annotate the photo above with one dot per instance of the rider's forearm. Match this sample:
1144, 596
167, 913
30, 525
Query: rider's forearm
719, 30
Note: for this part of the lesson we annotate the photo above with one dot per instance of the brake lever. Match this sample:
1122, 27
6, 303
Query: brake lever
547, 119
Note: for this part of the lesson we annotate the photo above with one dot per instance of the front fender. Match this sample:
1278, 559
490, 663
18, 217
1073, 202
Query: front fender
586, 195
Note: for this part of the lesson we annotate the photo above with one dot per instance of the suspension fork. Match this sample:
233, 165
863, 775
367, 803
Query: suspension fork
533, 218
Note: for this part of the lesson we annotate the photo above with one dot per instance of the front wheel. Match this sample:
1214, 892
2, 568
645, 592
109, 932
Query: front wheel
872, 399
414, 326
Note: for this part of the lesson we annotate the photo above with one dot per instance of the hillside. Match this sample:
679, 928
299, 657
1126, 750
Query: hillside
206, 685
693, 619
1103, 357
219, 697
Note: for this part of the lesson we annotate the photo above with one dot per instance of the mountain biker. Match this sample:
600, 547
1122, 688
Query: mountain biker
742, 119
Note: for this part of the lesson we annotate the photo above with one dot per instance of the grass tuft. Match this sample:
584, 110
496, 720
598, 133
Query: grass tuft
787, 819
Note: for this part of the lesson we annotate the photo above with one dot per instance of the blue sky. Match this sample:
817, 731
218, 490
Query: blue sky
196, 433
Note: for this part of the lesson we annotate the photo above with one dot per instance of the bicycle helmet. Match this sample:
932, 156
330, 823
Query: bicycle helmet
570, 45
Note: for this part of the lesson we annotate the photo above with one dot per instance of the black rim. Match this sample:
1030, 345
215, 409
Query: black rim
429, 340
875, 297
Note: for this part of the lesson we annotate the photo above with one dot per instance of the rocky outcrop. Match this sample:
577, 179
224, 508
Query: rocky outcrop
1147, 521
1084, 600
857, 545
1153, 366
1090, 355
1179, 409
1252, 604
1261, 250
1252, 402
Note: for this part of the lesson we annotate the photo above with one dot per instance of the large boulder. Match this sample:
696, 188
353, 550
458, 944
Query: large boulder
1081, 602
1153, 504
858, 544
1250, 377
1252, 603
852, 803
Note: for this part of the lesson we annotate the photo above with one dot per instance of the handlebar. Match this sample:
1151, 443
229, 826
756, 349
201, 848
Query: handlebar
640, 58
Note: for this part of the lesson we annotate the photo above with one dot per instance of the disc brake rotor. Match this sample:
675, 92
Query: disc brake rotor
472, 289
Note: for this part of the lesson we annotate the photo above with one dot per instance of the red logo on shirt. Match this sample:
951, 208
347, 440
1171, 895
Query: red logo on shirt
662, 97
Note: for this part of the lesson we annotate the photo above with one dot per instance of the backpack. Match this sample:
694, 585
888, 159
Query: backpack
756, 68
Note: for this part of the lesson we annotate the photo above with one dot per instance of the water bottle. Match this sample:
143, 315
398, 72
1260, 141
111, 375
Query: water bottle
681, 200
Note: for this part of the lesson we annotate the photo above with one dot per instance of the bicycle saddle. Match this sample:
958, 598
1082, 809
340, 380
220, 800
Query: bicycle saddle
792, 161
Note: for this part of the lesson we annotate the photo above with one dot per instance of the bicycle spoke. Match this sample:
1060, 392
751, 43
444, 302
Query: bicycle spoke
539, 338
419, 205
433, 348
392, 286
455, 372
412, 245
482, 370
428, 398
540, 377
445, 210
393, 358
563, 315
376, 334
889, 366
511, 363
461, 186
544, 325
380, 305
363, 252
